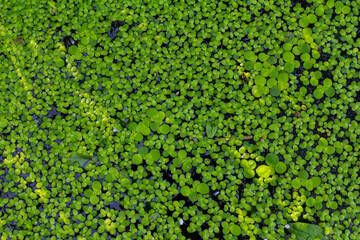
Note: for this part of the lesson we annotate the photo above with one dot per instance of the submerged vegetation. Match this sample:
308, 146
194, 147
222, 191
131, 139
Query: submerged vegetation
179, 120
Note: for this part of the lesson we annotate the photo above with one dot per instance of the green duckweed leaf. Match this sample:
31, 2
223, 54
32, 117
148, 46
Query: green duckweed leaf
143, 151
330, 91
249, 173
154, 155
203, 188
185, 190
88, 193
260, 80
280, 168
137, 159
272, 159
182, 154
318, 93
288, 57
73, 50
257, 91
96, 187
3, 123
85, 40
296, 183
264, 171
235, 230
315, 182
94, 200
275, 91
164, 129
59, 62
187, 166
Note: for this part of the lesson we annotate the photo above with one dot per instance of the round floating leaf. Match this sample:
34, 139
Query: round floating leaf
305, 57
125, 182
3, 123
164, 129
288, 57
85, 40
314, 82
260, 80
304, 22
263, 57
182, 154
296, 183
330, 91
296, 50
280, 168
145, 221
312, 18
258, 66
275, 91
249, 65
144, 130
185, 191
137, 159
323, 142
73, 50
154, 126
193, 196
151, 113
319, 10
146, 122
138, 137
177, 162
318, 75
257, 91
96, 186
264, 171
132, 126
155, 154
160, 116
330, 150
143, 151
110, 177
187, 166
250, 56
287, 47
59, 62
88, 193
272, 82
333, 205
318, 93
315, 182
248, 173
235, 230
303, 175
283, 82
345, 9
203, 188
94, 200
272, 60
327, 82
305, 48
249, 164
310, 201
283, 77
272, 159
303, 91
307, 65
274, 73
